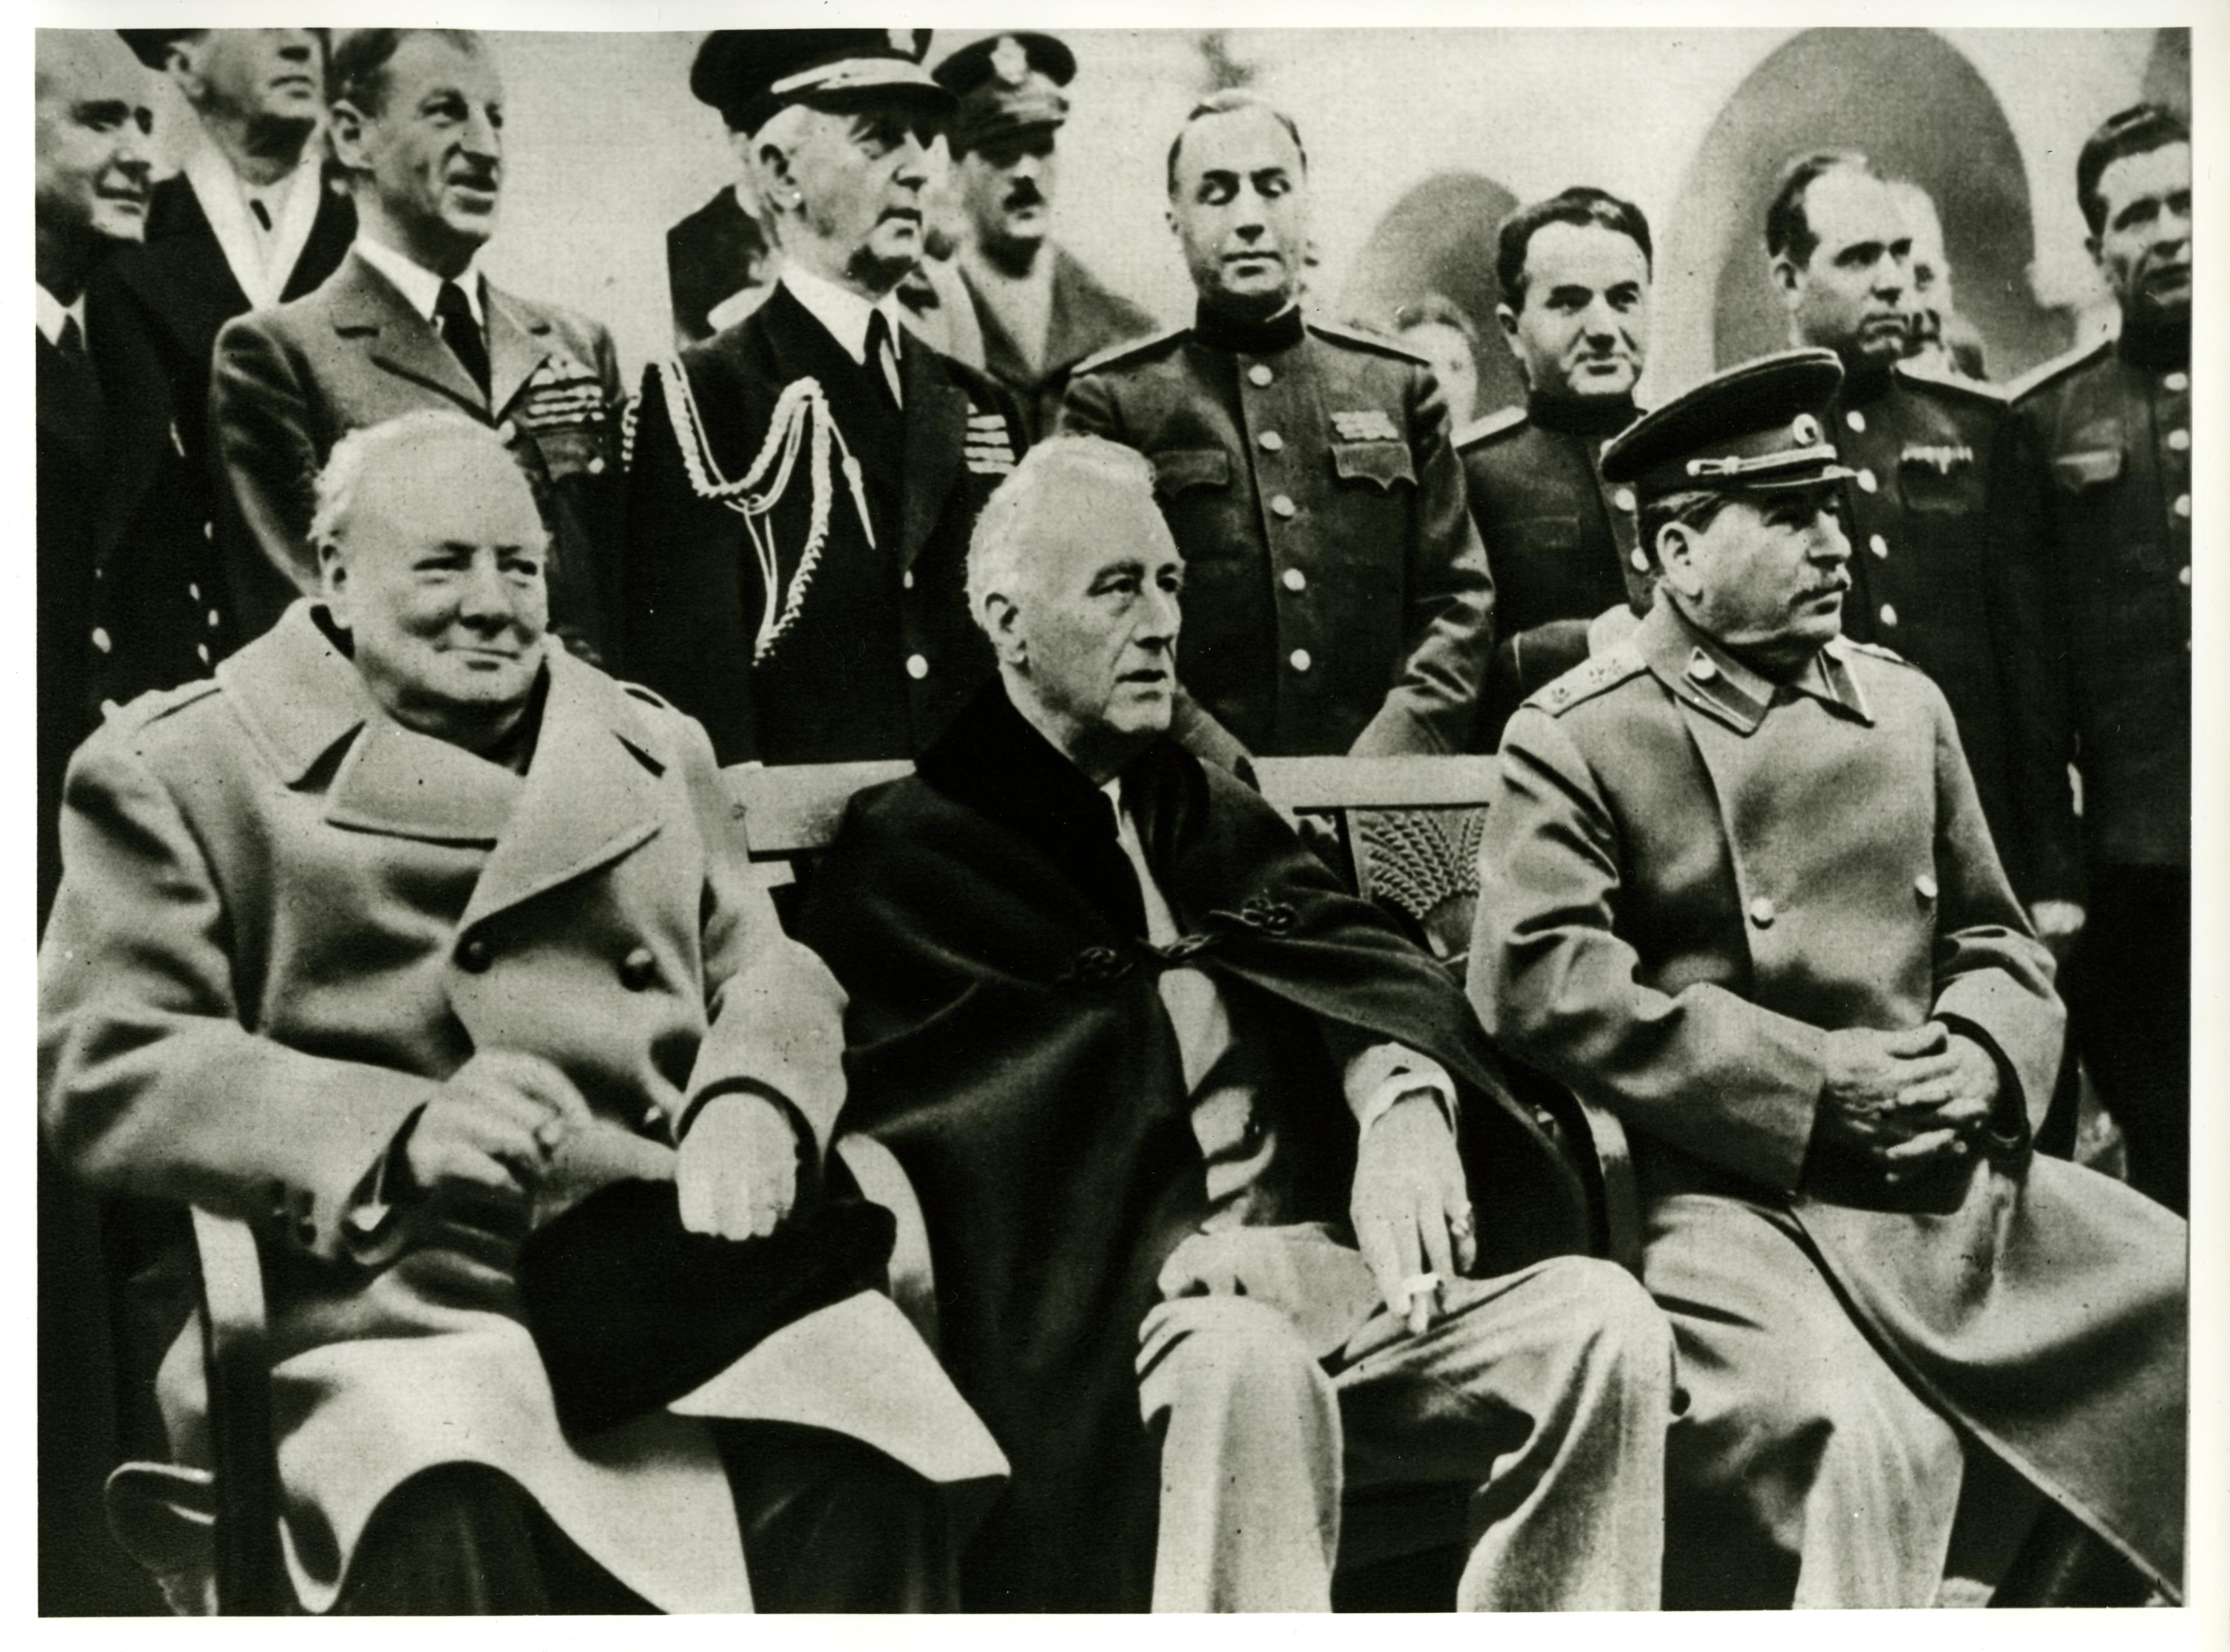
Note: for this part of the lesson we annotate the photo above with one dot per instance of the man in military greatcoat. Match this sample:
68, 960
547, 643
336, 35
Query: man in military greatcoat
1737, 889
803, 483
1340, 601
1942, 518
1575, 274
2110, 425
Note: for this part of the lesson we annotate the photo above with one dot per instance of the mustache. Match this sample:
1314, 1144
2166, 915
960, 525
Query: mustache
1024, 193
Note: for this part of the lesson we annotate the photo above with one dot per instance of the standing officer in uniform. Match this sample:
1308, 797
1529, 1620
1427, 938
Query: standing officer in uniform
1039, 311
1941, 516
1338, 598
1736, 888
1575, 274
804, 482
248, 223
719, 265
407, 322
2113, 424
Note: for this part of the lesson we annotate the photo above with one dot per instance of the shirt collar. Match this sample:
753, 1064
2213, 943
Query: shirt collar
420, 287
1702, 674
841, 311
53, 312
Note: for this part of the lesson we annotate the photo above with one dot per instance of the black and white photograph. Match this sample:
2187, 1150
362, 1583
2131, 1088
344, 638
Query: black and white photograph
1347, 817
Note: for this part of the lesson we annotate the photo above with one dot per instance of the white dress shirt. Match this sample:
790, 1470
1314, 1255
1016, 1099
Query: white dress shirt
262, 261
53, 312
420, 286
845, 313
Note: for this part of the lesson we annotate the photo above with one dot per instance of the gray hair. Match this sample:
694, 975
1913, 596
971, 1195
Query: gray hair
1064, 465
345, 466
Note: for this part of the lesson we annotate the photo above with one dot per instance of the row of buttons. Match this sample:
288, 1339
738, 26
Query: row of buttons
638, 971
2180, 441
1762, 911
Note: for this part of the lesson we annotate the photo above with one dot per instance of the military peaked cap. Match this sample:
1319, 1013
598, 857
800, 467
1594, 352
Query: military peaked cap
749, 74
1007, 84
152, 46
1757, 429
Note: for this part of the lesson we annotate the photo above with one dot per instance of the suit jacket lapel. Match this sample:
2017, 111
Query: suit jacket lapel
936, 437
366, 305
518, 343
330, 233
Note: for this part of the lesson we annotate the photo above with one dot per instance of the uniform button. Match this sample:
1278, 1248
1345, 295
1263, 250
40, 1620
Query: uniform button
1270, 441
1876, 544
474, 955
2179, 442
202, 648
1868, 482
2178, 381
1856, 420
1260, 375
1888, 614
215, 619
505, 431
1623, 498
917, 668
596, 465
1299, 660
194, 592
1639, 558
1282, 506
1700, 668
1294, 579
905, 580
2182, 506
101, 640
1762, 913
102, 573
209, 530
1924, 886
2183, 574
638, 969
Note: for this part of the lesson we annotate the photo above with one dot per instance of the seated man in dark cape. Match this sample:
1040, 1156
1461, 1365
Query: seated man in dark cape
1146, 1062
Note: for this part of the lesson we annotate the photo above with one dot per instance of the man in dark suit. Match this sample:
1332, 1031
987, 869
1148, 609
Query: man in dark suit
717, 266
1575, 274
803, 483
1038, 311
407, 321
249, 222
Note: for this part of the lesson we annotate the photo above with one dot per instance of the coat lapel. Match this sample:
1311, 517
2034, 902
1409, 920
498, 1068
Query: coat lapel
519, 342
405, 784
936, 437
590, 796
365, 305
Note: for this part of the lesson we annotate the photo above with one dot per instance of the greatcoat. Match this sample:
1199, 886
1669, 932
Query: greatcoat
1683, 886
286, 919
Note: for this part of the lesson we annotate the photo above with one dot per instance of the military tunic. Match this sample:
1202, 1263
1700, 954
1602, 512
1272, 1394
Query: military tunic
1084, 317
1562, 543
1944, 525
1336, 596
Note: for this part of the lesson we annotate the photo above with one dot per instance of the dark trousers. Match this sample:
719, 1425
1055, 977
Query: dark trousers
830, 1526
2129, 994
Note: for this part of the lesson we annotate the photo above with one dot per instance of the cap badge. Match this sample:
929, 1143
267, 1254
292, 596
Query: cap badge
1010, 61
1804, 431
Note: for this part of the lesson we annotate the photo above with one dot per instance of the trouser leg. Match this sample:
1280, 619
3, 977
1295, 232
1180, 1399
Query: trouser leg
1250, 1443
2129, 993
832, 1525
1543, 1396
1804, 1471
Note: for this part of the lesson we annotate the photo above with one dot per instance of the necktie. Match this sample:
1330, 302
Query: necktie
882, 359
262, 215
71, 340
454, 318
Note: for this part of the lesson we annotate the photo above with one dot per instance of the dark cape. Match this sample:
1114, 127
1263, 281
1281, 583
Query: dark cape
1008, 1041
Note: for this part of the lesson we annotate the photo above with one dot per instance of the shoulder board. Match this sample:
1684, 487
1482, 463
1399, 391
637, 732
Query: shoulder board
1496, 423
1365, 338
1993, 395
1128, 348
636, 691
2058, 368
157, 703
1599, 675
1875, 651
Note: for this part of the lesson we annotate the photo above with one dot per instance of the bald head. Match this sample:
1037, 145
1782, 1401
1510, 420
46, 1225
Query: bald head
90, 125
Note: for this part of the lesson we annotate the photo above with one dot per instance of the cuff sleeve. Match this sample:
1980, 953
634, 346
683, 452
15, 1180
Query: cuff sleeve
1385, 1073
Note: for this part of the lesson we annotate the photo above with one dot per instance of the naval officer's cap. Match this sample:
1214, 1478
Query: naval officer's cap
1007, 84
1760, 427
748, 74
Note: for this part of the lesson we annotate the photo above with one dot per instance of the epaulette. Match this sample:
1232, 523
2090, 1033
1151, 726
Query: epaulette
1876, 650
2058, 367
638, 691
1366, 339
1127, 349
1599, 674
1992, 396
159, 702
1498, 422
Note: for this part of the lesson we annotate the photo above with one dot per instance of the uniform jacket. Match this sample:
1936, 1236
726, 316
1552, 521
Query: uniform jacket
291, 382
1087, 318
1336, 597
286, 920
1009, 1042
1945, 526
1561, 542
859, 647
2112, 432
715, 253
1684, 883
170, 297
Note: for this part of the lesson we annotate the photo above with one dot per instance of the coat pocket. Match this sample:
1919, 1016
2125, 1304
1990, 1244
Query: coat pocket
2079, 472
1381, 463
1547, 533
1179, 468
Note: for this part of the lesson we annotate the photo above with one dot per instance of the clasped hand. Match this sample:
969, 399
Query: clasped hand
1905, 1103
